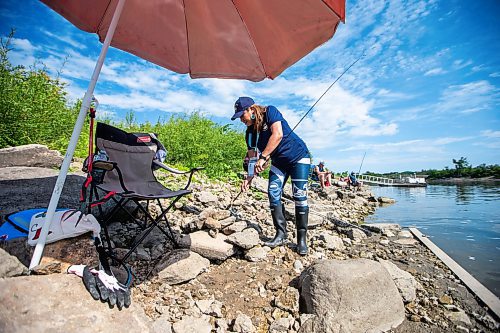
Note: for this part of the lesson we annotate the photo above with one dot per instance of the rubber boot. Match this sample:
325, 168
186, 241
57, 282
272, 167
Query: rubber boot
280, 226
301, 221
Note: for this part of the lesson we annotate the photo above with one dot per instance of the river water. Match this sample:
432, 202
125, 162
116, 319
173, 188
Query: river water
463, 220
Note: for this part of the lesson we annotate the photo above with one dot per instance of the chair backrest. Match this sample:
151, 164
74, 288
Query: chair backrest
133, 153
312, 173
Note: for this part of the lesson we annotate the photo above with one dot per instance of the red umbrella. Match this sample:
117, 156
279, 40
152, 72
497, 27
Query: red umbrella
239, 39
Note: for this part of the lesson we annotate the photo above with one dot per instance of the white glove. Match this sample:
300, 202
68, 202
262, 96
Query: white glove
102, 286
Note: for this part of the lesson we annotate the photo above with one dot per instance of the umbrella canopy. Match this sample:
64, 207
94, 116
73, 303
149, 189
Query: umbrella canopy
239, 39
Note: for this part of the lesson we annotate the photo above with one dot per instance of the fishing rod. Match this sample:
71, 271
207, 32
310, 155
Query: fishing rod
359, 171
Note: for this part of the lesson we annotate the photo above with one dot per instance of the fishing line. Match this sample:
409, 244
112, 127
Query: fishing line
331, 85
320, 97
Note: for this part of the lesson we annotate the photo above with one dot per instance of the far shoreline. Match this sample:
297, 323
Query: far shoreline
464, 181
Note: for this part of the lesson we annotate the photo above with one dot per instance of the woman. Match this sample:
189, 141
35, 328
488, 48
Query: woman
270, 138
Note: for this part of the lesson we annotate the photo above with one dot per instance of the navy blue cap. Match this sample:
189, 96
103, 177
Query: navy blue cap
241, 105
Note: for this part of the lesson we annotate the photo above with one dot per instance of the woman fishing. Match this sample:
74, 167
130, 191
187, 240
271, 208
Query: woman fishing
270, 138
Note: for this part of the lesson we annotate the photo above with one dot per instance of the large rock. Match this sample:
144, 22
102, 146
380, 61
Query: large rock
10, 266
383, 227
332, 242
211, 248
315, 220
30, 156
356, 234
406, 283
257, 253
60, 303
234, 227
246, 239
180, 266
192, 325
243, 324
206, 197
386, 200
349, 296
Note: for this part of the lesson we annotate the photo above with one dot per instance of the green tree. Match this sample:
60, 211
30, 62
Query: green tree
461, 166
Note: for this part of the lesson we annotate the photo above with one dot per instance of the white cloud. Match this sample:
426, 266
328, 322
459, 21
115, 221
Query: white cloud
490, 139
489, 144
490, 134
23, 52
460, 63
435, 71
338, 112
392, 95
448, 140
413, 154
65, 38
407, 146
478, 68
468, 98
382, 30
106, 114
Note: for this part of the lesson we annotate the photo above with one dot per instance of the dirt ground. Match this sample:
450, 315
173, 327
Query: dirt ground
253, 288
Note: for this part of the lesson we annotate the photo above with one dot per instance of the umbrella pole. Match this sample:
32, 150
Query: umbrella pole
54, 200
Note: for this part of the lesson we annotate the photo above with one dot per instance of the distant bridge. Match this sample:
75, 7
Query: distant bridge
376, 180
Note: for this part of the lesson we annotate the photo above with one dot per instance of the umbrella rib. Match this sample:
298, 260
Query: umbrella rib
187, 37
102, 18
331, 9
250, 36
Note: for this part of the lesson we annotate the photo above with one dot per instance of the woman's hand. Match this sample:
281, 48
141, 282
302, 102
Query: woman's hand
261, 165
246, 184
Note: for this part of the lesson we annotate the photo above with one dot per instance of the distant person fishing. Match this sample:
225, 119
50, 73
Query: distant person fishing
269, 138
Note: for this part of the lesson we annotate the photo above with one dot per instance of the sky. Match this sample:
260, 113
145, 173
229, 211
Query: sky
426, 91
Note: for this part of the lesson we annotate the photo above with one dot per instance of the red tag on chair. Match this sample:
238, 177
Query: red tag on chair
144, 139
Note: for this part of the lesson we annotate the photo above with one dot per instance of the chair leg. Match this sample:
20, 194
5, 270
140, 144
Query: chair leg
147, 218
155, 222
172, 237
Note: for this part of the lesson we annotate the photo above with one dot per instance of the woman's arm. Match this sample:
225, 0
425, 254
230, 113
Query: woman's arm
274, 141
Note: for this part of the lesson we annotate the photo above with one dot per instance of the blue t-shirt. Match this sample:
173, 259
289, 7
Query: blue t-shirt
353, 179
291, 148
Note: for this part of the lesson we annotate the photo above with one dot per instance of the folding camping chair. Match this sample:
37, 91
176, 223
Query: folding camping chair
128, 177
313, 183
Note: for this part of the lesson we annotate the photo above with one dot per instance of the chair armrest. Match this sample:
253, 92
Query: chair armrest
104, 165
169, 168
179, 172
174, 170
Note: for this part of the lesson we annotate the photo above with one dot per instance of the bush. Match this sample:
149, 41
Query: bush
33, 107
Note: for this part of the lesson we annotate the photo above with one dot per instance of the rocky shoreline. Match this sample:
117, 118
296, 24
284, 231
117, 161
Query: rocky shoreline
223, 280
464, 181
